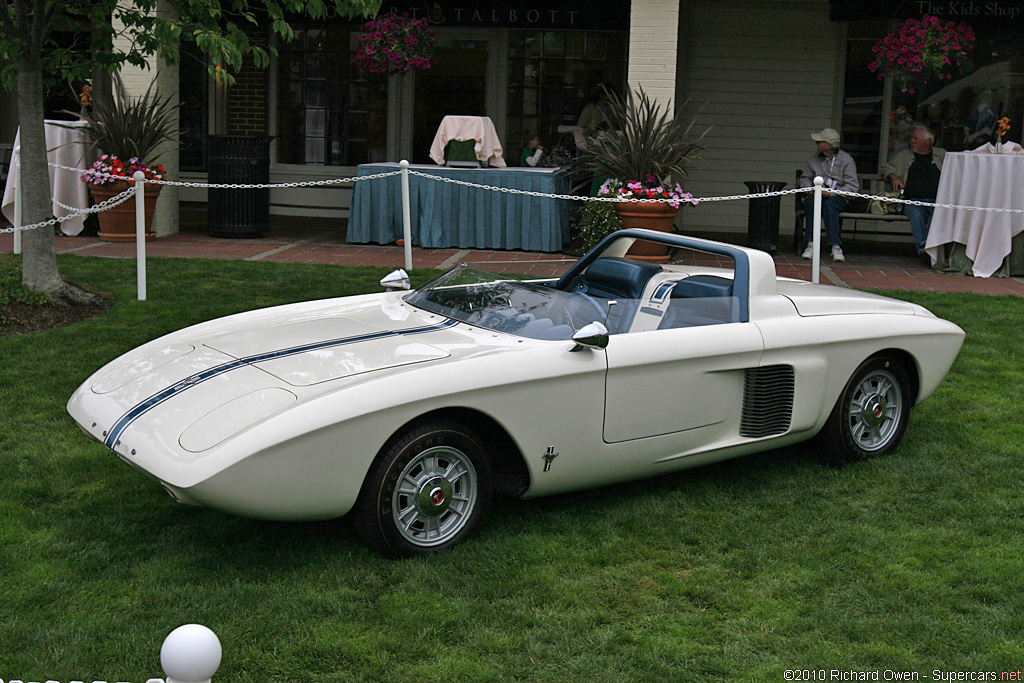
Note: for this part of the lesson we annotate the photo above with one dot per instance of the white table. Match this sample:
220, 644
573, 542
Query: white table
978, 179
66, 147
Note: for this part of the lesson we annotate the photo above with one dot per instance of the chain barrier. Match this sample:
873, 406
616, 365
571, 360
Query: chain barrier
76, 212
130, 192
235, 186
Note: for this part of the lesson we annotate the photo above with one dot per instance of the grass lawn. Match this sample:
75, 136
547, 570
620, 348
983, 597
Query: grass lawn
737, 571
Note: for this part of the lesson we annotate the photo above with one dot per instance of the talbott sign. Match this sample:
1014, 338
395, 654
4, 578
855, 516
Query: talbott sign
536, 14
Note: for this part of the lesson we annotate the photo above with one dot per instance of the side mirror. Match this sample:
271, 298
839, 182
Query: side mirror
592, 336
396, 279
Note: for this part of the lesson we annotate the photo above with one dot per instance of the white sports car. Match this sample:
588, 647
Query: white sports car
408, 409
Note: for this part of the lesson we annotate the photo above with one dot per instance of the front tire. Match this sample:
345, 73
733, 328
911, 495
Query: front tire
871, 415
428, 490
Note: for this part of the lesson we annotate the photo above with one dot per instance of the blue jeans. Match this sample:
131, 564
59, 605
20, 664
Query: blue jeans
920, 220
830, 210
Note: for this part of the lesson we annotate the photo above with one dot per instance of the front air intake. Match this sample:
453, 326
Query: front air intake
767, 401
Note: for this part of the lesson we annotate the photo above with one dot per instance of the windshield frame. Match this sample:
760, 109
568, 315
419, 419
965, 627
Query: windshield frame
502, 304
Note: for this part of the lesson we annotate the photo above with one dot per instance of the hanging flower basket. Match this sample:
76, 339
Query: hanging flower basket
921, 50
395, 44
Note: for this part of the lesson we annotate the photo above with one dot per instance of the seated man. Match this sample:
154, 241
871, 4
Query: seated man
840, 173
916, 171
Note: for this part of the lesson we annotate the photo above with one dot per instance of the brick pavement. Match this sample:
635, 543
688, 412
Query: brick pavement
318, 244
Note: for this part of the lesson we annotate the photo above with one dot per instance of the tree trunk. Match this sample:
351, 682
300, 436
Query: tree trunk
39, 259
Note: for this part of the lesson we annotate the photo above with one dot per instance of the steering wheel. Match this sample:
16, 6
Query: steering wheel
602, 316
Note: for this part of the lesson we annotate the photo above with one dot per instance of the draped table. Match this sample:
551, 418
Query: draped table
449, 215
65, 146
981, 243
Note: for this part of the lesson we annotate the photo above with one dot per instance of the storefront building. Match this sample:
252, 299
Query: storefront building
529, 67
760, 75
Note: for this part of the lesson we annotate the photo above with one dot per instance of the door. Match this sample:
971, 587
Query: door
458, 84
669, 381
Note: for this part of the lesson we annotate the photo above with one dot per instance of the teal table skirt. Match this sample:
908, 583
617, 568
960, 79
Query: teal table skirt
449, 215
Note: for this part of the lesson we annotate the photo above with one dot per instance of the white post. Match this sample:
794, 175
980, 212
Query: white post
816, 231
406, 214
17, 199
190, 654
140, 232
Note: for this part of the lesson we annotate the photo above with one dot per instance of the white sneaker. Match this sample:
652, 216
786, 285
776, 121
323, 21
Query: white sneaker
837, 254
808, 252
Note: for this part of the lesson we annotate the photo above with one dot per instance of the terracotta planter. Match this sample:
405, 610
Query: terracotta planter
118, 224
650, 216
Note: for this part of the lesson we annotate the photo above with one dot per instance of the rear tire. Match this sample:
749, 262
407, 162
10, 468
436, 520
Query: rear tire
870, 416
428, 490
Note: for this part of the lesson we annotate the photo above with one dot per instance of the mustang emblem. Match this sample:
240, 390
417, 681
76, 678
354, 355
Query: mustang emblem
548, 457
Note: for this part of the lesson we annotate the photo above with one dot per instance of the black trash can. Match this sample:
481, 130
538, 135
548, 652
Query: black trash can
763, 216
244, 160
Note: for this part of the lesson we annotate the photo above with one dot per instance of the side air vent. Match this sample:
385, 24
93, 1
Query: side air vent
767, 401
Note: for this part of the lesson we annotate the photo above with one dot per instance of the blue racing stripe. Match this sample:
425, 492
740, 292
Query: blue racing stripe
114, 433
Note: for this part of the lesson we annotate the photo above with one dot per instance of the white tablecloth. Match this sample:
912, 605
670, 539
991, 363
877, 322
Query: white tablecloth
479, 128
67, 147
979, 179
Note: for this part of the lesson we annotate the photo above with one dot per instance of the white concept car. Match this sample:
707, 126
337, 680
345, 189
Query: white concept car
407, 410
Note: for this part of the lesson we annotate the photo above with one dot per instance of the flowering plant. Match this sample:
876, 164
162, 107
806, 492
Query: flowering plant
108, 169
394, 45
927, 46
649, 188
1003, 126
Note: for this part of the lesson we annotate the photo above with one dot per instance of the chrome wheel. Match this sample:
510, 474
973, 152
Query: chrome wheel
875, 410
435, 496
870, 416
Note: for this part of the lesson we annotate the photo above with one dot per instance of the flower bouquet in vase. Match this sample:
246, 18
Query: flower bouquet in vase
1002, 128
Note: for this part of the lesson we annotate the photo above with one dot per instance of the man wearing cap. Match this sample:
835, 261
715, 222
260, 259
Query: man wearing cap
840, 173
916, 171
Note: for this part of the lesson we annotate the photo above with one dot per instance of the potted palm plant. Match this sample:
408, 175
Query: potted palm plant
128, 131
642, 156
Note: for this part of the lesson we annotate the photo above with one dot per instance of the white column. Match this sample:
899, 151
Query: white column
136, 80
653, 44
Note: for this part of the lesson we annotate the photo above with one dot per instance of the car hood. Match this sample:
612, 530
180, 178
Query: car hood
813, 300
313, 351
300, 344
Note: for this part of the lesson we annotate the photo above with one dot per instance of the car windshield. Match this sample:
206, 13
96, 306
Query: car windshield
495, 302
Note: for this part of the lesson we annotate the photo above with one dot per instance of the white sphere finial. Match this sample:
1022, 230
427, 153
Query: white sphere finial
190, 654
818, 180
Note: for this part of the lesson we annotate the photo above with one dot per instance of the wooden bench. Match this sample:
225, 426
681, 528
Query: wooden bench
857, 210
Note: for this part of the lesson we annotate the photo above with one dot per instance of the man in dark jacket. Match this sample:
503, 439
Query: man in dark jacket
916, 171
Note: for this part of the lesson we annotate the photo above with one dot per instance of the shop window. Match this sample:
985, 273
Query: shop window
961, 110
329, 112
193, 96
863, 96
551, 76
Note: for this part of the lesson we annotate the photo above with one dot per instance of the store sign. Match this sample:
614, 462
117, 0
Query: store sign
539, 15
975, 11
959, 11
